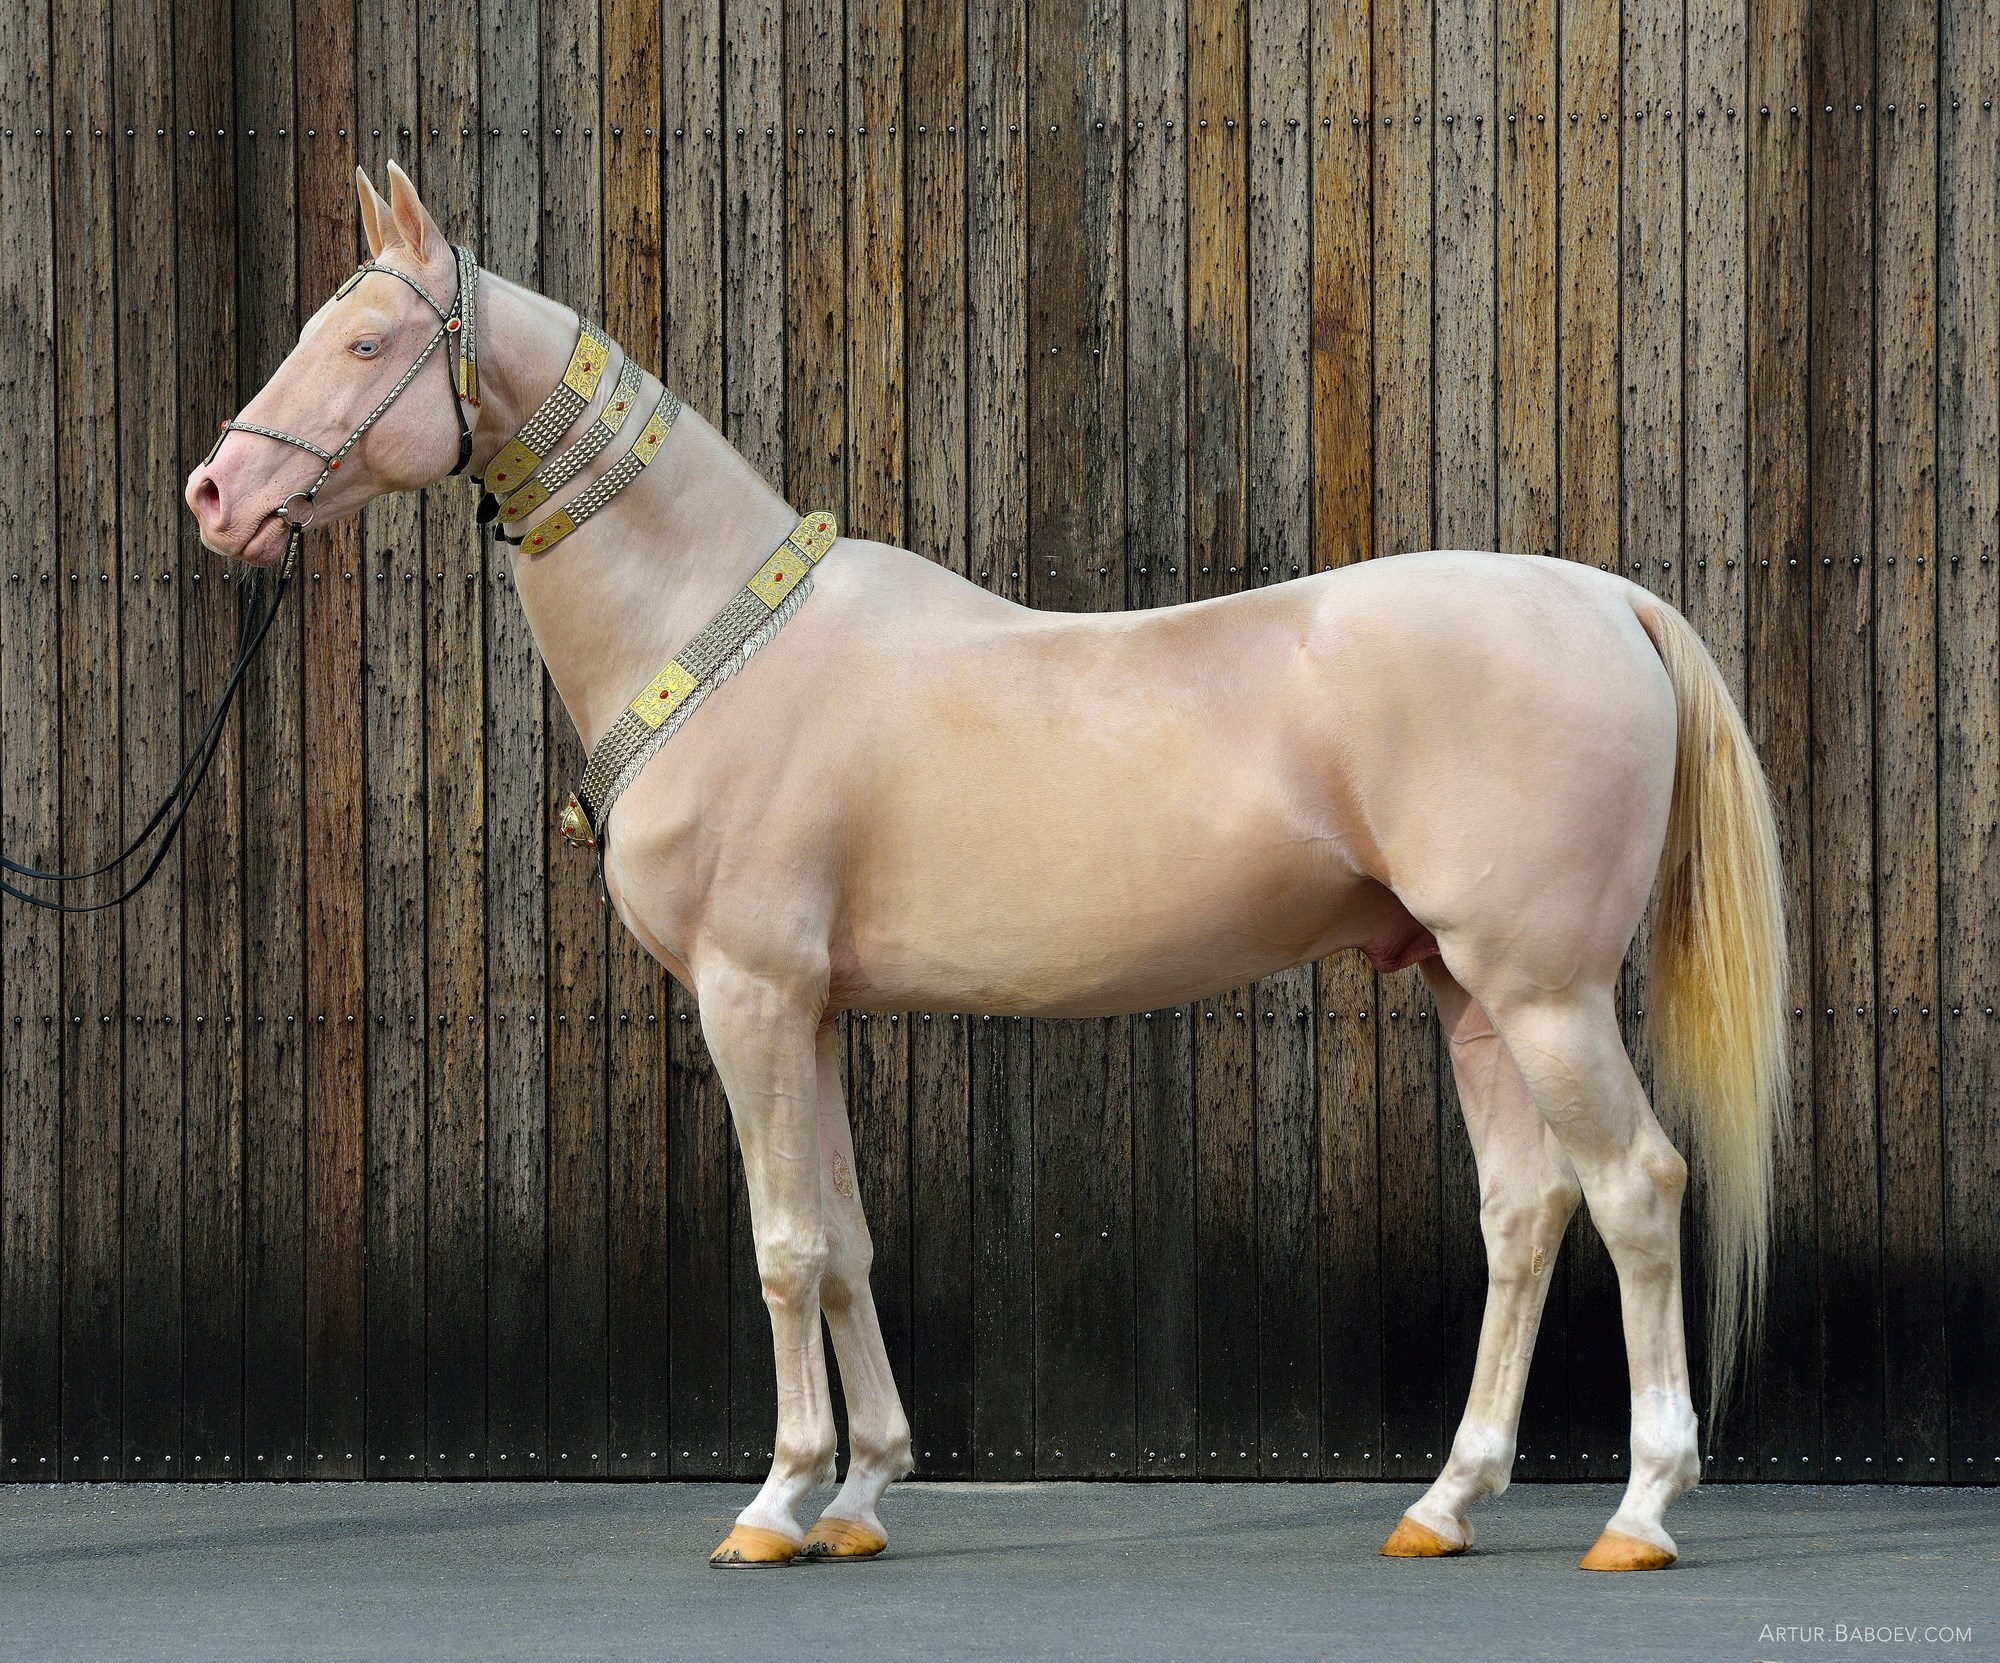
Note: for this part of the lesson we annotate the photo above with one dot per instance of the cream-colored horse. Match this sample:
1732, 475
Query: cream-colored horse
920, 796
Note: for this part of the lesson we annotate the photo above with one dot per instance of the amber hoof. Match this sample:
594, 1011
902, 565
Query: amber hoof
1616, 1551
749, 1546
1410, 1540
833, 1540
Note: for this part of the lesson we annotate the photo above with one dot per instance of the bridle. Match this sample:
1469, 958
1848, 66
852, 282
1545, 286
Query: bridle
460, 321
166, 820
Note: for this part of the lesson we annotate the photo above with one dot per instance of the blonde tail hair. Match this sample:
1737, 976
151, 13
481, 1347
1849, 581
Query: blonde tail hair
1718, 983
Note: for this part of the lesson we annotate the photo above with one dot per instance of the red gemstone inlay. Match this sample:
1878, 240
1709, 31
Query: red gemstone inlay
452, 325
621, 404
333, 467
586, 366
499, 476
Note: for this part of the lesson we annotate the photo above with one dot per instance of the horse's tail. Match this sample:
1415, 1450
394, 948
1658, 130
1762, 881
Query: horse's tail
1718, 981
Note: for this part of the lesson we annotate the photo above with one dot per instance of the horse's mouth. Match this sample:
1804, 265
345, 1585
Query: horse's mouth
264, 546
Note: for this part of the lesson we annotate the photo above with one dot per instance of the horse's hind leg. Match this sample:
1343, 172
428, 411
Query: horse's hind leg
878, 1433
1570, 1052
1527, 1192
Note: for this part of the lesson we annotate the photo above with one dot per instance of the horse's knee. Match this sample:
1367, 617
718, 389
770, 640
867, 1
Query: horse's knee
791, 1264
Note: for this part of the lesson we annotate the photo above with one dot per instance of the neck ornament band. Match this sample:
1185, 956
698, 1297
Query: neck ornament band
748, 621
599, 492
523, 453
561, 468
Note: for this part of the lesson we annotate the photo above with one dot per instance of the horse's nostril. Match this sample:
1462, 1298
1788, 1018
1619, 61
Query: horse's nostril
206, 501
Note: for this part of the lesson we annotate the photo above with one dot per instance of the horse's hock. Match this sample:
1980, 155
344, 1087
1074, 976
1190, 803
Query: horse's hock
341, 1151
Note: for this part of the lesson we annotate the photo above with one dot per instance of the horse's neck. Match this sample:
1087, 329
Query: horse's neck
610, 604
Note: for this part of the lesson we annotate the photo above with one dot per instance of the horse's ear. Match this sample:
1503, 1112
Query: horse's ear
412, 219
376, 223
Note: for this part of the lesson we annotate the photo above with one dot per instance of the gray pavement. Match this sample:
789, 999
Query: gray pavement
1103, 1572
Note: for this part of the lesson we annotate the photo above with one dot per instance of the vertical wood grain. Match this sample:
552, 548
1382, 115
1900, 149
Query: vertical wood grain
362, 1143
572, 245
1464, 478
272, 852
331, 583
87, 537
1218, 380
1528, 120
518, 1009
1652, 121
32, 1009
638, 1431
1904, 627
1714, 458
150, 676
705, 1256
1002, 1113
878, 1076
1777, 660
1343, 531
1651, 277
1969, 713
1156, 574
211, 1216
1406, 1038
937, 144
453, 579
1841, 47
1084, 1321
392, 770
1279, 549
1588, 450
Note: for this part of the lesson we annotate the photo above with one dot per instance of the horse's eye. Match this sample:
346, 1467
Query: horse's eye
366, 349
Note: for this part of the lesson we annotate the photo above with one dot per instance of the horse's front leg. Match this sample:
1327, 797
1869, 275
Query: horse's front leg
760, 1032
878, 1432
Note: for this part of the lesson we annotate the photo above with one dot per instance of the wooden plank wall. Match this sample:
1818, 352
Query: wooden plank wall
365, 1144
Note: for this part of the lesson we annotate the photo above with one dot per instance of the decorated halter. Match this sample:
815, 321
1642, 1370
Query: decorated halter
164, 825
460, 322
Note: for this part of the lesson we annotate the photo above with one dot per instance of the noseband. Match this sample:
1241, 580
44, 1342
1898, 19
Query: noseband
258, 615
461, 322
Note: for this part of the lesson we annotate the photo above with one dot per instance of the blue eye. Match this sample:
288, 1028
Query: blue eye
366, 349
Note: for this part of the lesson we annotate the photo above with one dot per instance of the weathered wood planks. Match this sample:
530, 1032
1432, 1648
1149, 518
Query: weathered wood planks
364, 1143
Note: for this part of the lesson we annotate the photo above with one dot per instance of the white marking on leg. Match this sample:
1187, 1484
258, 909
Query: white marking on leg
1666, 1463
1527, 1194
760, 1033
1633, 1181
878, 1432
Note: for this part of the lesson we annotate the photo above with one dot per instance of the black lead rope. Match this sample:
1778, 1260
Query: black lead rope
168, 818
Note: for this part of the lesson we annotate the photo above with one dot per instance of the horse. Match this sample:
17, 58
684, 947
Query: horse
908, 793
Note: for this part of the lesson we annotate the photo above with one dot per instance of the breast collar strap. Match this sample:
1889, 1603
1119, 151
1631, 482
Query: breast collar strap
461, 322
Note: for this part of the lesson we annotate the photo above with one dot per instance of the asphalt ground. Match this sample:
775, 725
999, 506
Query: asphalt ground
1097, 1572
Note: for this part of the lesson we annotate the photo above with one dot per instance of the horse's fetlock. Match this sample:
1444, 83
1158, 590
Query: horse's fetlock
883, 1449
1665, 1436
809, 1449
1485, 1455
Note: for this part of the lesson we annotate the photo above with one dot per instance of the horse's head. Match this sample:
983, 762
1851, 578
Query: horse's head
350, 355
